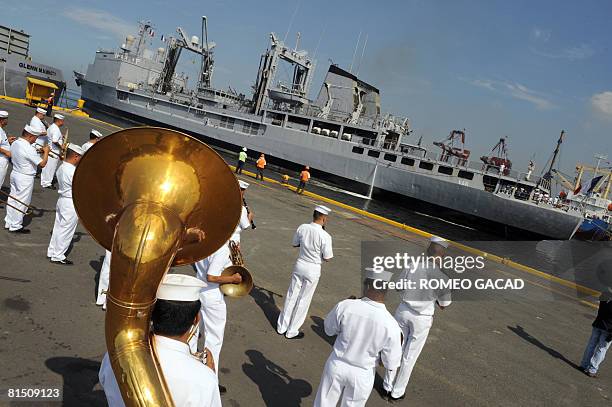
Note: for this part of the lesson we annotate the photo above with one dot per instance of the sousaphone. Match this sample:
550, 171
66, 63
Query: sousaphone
154, 198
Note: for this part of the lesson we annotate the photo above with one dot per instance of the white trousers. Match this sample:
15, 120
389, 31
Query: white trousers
345, 383
301, 289
415, 328
66, 221
4, 164
214, 316
48, 172
104, 278
21, 188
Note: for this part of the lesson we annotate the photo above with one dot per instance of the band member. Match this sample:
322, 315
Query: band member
66, 219
94, 136
214, 310
39, 126
104, 280
56, 141
415, 317
190, 378
25, 162
5, 146
366, 332
246, 216
315, 247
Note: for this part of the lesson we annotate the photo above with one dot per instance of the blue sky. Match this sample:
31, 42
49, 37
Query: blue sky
520, 69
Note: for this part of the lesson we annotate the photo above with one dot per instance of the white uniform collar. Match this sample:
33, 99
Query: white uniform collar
172, 344
373, 303
317, 225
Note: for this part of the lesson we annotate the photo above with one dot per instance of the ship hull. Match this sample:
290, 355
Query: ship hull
14, 73
335, 158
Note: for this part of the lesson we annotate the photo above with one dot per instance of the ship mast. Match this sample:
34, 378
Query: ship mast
548, 174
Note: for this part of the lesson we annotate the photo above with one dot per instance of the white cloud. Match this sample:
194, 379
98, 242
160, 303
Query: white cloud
602, 104
515, 90
540, 34
100, 20
582, 51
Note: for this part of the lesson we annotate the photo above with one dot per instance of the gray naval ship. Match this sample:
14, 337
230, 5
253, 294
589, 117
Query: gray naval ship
341, 134
17, 70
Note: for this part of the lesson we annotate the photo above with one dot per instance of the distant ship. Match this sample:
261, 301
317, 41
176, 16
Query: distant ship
20, 76
341, 134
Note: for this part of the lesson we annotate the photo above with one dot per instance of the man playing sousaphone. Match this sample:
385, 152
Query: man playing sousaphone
190, 378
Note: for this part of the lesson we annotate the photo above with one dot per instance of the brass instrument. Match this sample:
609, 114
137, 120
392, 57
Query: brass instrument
244, 287
29, 208
39, 150
164, 199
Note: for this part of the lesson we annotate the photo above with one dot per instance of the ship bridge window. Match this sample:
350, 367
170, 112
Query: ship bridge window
465, 174
426, 166
445, 170
408, 161
357, 150
374, 153
227, 122
390, 157
250, 128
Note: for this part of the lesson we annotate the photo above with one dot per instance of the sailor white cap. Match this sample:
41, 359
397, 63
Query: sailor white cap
438, 240
180, 287
32, 130
3, 114
41, 110
58, 116
77, 149
244, 149
243, 184
96, 133
323, 210
378, 275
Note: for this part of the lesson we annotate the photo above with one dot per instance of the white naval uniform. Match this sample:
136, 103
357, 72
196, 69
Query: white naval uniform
415, 317
87, 146
38, 125
191, 383
25, 162
54, 135
66, 219
315, 246
243, 224
4, 160
104, 280
366, 333
214, 310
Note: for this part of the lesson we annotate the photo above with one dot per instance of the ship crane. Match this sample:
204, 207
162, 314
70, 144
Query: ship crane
499, 156
173, 53
449, 149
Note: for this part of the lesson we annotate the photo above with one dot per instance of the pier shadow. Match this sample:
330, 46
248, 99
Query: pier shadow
276, 386
319, 329
80, 380
520, 331
265, 300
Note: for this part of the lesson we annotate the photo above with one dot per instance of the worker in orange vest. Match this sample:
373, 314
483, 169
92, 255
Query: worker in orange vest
261, 165
304, 178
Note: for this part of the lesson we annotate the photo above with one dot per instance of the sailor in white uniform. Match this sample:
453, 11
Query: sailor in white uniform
39, 126
5, 146
56, 141
367, 332
104, 280
246, 217
66, 219
415, 317
190, 378
25, 162
315, 247
214, 310
94, 136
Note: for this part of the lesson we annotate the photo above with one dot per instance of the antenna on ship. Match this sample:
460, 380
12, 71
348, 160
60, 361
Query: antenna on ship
362, 54
355, 52
297, 7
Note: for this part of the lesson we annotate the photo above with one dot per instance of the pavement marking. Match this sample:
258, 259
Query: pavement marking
422, 233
